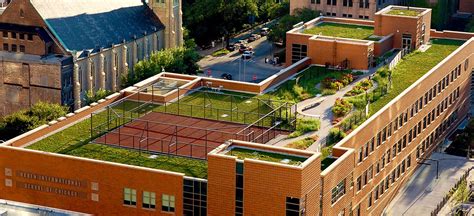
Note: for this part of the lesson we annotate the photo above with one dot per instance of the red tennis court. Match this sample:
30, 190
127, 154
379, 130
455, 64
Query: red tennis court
182, 135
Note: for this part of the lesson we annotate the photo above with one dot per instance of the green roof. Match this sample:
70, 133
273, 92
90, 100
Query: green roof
341, 30
243, 153
403, 12
414, 66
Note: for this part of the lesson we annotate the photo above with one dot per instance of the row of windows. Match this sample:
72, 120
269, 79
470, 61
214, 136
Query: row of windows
338, 191
347, 15
402, 119
293, 207
298, 52
402, 143
345, 3
15, 35
430, 140
149, 200
385, 184
406, 163
14, 48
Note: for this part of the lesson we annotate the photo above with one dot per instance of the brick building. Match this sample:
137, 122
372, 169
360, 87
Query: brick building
357, 9
361, 176
57, 51
466, 6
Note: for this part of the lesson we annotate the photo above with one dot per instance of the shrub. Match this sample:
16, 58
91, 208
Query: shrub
328, 92
357, 90
341, 107
346, 79
365, 84
304, 126
302, 144
336, 135
25, 120
100, 94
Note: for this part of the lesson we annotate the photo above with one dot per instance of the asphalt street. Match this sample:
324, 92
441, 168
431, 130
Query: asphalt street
253, 70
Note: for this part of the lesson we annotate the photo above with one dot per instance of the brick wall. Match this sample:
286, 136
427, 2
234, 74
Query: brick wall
102, 181
466, 6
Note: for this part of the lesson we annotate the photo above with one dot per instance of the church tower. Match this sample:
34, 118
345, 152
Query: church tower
170, 14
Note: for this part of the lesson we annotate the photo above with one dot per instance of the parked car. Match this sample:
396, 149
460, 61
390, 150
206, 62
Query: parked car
253, 37
232, 47
244, 48
264, 31
248, 55
226, 76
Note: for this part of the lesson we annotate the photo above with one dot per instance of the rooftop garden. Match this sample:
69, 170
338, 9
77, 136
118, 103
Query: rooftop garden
414, 66
76, 140
244, 153
403, 12
307, 84
342, 30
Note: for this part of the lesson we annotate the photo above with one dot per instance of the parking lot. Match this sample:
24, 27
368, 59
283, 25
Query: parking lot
251, 70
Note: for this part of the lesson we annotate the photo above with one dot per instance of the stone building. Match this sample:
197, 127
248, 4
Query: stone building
58, 50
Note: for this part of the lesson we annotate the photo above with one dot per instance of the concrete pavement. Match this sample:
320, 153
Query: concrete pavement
423, 191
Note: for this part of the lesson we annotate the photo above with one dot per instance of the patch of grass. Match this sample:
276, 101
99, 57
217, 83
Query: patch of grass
304, 84
190, 167
403, 12
220, 52
302, 144
413, 67
242, 153
304, 126
341, 30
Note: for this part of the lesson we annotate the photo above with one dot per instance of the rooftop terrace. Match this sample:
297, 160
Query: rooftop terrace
340, 30
76, 140
403, 12
270, 156
413, 67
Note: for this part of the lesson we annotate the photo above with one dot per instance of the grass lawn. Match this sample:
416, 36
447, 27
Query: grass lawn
302, 144
403, 12
413, 67
304, 84
242, 153
341, 30
190, 167
220, 52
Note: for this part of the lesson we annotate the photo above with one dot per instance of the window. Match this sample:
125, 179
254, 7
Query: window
298, 52
347, 3
5, 47
149, 199
338, 191
292, 206
361, 154
369, 200
5, 34
167, 203
14, 35
14, 48
30, 37
22, 48
129, 196
332, 2
22, 36
359, 183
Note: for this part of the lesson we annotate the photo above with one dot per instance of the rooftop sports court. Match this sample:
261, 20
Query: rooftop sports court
192, 125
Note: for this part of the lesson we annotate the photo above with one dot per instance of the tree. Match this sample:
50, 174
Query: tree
286, 23
25, 120
178, 60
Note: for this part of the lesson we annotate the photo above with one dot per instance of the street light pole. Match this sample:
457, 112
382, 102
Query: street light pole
437, 165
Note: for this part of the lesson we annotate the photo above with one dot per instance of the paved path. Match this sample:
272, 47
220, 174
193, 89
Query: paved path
423, 191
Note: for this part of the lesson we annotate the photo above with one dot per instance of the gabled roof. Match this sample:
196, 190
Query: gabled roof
90, 24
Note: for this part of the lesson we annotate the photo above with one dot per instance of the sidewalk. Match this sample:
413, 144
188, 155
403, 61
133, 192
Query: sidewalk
423, 191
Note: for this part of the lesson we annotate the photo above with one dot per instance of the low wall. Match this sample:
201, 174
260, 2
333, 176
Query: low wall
60, 123
349, 21
451, 35
383, 46
84, 185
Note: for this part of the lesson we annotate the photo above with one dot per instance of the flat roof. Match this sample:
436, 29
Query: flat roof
414, 66
403, 12
264, 155
342, 30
